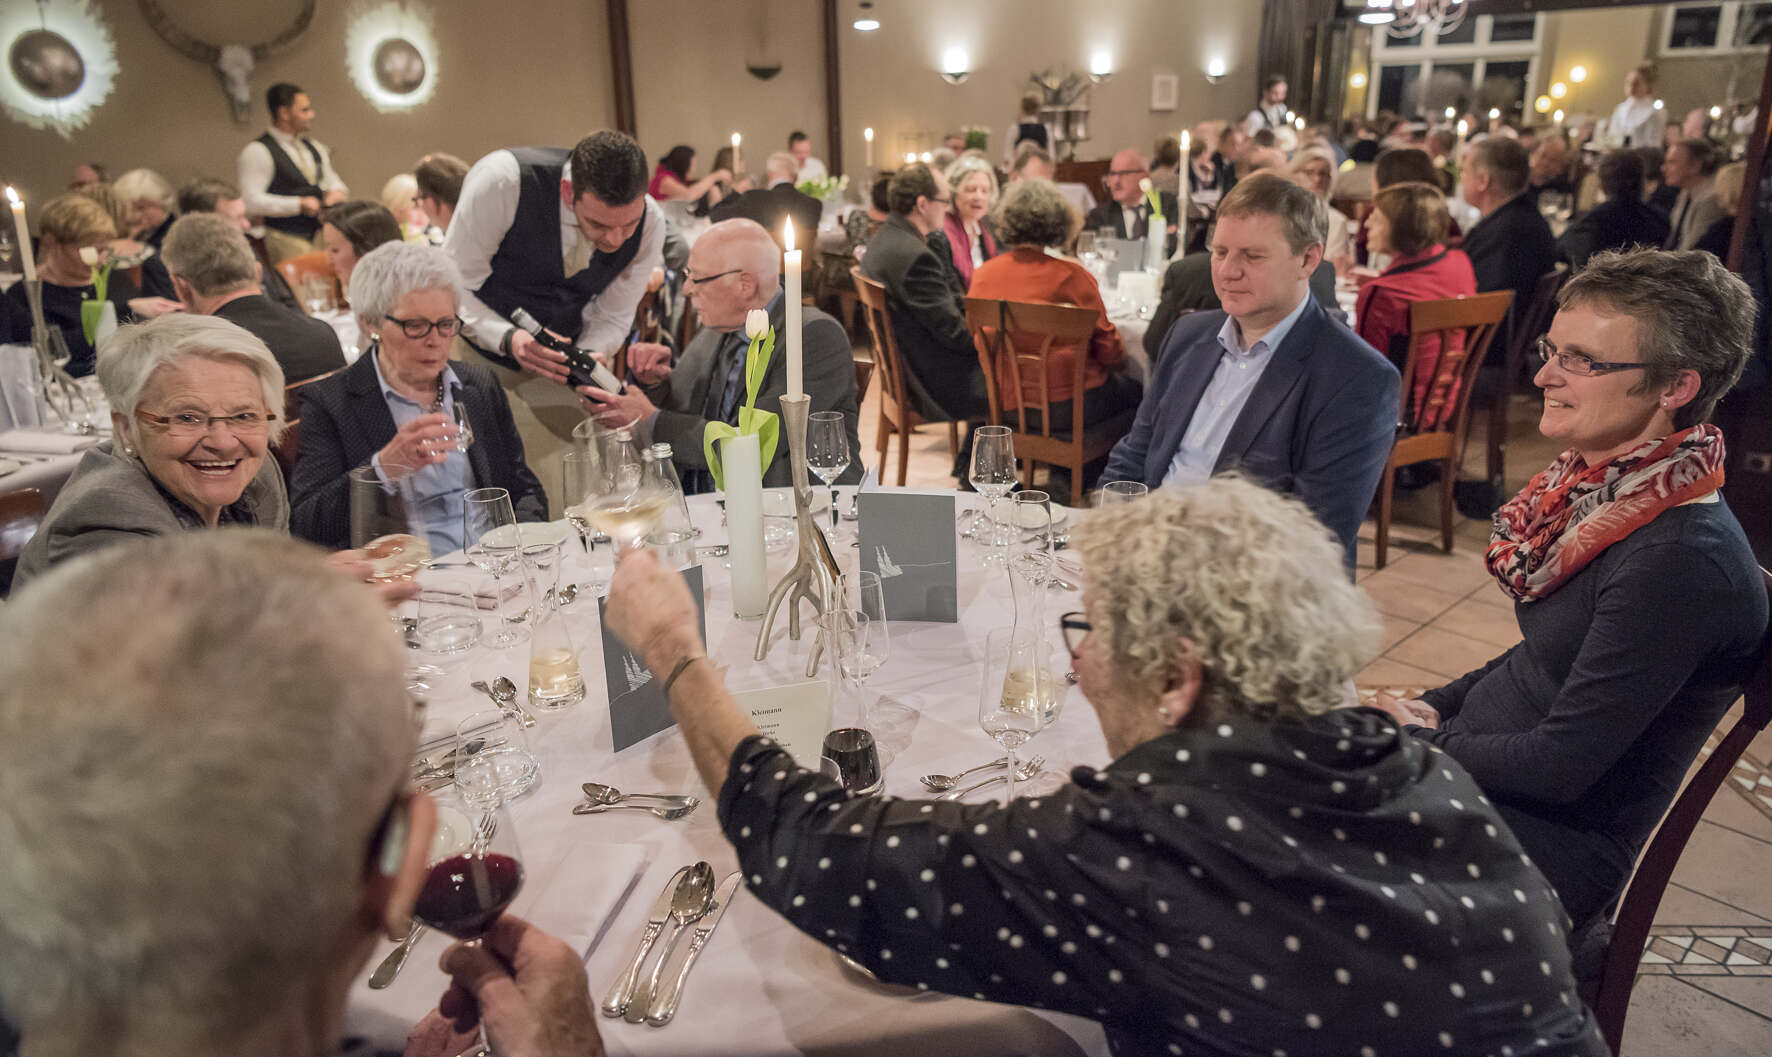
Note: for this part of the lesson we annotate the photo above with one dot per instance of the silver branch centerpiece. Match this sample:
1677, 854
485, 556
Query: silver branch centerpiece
814, 575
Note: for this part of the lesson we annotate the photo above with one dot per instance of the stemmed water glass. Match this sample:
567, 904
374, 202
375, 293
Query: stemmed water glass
1018, 695
1116, 492
385, 522
827, 453
993, 474
494, 544
1030, 560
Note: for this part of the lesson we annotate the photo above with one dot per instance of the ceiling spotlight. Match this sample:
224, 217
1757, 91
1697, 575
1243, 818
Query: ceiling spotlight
1377, 13
1559, 90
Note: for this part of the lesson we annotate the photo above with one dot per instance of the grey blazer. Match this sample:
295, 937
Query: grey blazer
827, 372
111, 498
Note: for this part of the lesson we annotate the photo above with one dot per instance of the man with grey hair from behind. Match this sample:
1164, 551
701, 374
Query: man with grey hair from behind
214, 273
165, 890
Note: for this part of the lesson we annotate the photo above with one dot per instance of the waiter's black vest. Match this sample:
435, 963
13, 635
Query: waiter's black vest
1031, 131
527, 269
286, 179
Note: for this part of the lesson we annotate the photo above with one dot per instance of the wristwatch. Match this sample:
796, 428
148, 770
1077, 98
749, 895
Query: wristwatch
504, 343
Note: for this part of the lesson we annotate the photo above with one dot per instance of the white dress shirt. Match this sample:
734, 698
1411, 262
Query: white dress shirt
483, 215
1637, 120
811, 169
1265, 115
256, 167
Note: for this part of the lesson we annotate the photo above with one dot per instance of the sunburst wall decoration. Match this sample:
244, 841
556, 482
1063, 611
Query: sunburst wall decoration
391, 53
60, 63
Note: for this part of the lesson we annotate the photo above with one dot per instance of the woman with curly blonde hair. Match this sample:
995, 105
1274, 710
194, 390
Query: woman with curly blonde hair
1256, 871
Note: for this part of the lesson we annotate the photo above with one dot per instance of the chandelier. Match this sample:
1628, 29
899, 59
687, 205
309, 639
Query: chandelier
1405, 18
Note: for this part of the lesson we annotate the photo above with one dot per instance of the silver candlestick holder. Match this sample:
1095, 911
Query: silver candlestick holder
56, 392
814, 575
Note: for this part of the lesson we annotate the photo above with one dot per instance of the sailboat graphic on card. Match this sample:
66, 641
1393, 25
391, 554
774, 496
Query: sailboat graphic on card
888, 568
637, 674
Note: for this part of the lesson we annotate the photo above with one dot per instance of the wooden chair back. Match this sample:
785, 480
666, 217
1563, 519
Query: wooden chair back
21, 513
1530, 324
1636, 911
289, 443
1091, 174
1464, 327
1016, 338
300, 268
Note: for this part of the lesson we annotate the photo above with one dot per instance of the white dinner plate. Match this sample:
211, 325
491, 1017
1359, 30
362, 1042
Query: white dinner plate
779, 502
10, 466
1029, 520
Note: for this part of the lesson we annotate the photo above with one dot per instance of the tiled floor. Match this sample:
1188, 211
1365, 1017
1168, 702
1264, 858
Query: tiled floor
1706, 983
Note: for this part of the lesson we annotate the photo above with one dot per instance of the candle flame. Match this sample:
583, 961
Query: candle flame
867, 134
12, 196
735, 138
1186, 141
787, 232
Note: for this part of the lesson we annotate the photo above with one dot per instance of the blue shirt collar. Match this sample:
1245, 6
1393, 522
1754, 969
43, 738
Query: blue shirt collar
1229, 335
451, 381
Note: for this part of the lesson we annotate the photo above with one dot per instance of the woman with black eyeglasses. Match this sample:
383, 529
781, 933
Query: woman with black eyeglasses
401, 407
1637, 596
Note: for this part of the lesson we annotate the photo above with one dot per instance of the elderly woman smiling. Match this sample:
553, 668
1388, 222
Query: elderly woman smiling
1255, 872
973, 184
195, 403
396, 407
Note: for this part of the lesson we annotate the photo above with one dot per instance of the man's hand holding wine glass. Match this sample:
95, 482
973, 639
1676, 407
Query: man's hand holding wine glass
528, 989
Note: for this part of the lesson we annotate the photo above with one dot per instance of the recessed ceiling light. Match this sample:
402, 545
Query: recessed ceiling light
867, 25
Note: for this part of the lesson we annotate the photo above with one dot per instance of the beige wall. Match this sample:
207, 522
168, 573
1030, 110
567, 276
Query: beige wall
521, 72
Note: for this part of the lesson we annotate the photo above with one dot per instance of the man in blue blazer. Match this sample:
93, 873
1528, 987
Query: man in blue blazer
1270, 386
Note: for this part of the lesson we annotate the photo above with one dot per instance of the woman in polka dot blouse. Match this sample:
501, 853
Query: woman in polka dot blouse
1256, 872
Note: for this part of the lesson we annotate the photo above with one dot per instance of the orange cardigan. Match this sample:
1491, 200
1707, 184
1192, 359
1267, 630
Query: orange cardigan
1028, 273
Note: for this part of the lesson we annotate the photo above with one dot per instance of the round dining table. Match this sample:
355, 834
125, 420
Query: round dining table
761, 987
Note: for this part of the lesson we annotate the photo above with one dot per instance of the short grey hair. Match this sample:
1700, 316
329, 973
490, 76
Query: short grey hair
127, 362
137, 184
1035, 213
186, 830
392, 270
967, 164
210, 252
1692, 314
1251, 577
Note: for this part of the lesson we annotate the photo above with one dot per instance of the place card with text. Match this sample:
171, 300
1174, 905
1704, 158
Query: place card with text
908, 538
796, 716
637, 705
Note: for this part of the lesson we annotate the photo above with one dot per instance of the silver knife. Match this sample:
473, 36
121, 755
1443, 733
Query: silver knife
390, 967
623, 992
664, 1004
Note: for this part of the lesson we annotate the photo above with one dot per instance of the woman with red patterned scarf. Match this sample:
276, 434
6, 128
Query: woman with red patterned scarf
1639, 602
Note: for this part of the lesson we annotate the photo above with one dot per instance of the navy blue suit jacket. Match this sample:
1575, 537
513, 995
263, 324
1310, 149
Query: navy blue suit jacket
1319, 424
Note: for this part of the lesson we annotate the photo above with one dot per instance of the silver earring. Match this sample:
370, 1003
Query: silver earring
1163, 710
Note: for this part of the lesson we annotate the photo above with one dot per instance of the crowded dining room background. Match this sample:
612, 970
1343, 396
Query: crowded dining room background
877, 526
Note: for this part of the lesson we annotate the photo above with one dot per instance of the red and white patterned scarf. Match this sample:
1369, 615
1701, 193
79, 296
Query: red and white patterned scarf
1571, 511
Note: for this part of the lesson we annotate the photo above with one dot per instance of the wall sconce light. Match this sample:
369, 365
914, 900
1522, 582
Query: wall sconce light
1101, 67
1451, 113
1557, 115
866, 22
910, 157
1494, 113
954, 63
926, 157
1716, 112
1215, 69
1377, 13
1559, 90
1578, 74
1357, 79
57, 64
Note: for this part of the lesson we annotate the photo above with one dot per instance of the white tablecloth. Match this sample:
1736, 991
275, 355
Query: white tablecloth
762, 987
48, 455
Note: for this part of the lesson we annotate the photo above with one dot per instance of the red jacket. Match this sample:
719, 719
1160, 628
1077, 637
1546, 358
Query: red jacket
1382, 315
1028, 273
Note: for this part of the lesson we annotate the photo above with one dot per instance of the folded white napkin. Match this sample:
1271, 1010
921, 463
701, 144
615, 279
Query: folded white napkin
38, 442
573, 894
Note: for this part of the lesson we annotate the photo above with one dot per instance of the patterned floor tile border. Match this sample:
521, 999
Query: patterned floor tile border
1702, 950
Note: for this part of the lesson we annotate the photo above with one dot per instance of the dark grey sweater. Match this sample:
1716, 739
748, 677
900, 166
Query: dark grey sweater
1582, 733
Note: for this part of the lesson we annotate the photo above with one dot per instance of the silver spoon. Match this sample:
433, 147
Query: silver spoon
598, 793
695, 893
1022, 774
568, 594
669, 814
943, 782
504, 693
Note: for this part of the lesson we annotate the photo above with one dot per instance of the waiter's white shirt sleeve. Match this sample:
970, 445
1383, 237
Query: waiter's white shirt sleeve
609, 317
483, 213
254, 170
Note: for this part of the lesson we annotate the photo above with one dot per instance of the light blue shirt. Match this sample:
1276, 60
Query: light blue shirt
1234, 378
439, 487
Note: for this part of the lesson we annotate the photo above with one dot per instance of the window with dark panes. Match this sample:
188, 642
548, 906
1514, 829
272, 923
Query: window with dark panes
1396, 88
1753, 25
1695, 27
1449, 86
1463, 33
1508, 29
1504, 86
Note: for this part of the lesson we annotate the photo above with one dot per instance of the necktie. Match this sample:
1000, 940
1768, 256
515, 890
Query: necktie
1140, 226
1673, 232
304, 160
578, 258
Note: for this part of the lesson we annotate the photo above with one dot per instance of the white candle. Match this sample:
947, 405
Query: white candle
1183, 193
868, 134
791, 300
24, 235
737, 164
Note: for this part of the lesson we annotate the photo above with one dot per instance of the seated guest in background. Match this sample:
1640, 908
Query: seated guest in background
1408, 224
1031, 163
967, 230
800, 146
150, 200
1635, 589
168, 467
1548, 168
1727, 188
213, 655
215, 274
1127, 210
734, 268
1404, 165
1314, 170
1511, 246
1257, 870
1270, 385
351, 229
1036, 217
1257, 158
923, 301
737, 183
1622, 220
439, 179
1691, 166
1663, 195
207, 195
87, 174
394, 409
1166, 166
671, 182
399, 196
774, 203
70, 223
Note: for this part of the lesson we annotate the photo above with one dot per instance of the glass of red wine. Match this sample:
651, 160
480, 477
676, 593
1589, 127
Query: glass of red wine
475, 871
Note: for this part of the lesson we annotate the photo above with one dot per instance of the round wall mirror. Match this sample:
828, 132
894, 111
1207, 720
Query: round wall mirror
399, 67
47, 64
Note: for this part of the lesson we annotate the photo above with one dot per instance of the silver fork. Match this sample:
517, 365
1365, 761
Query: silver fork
1022, 774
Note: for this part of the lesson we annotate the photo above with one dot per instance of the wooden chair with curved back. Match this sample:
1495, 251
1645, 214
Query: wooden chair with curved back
1527, 328
1434, 432
1016, 337
1636, 910
304, 267
898, 417
289, 443
21, 513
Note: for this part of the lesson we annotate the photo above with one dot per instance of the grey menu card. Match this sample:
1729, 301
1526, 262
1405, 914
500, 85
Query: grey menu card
637, 705
908, 538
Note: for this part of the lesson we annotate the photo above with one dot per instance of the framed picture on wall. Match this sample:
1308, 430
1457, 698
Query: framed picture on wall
1164, 91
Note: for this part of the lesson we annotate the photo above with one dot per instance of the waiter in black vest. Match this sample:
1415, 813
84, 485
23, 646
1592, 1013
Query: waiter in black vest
288, 178
569, 237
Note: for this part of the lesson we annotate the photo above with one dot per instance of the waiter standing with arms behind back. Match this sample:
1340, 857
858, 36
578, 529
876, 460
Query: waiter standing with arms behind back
287, 178
563, 239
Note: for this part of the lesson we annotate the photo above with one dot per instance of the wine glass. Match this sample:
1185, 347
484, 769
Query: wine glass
827, 453
993, 474
622, 502
1018, 696
1030, 560
382, 511
475, 870
1116, 492
867, 592
494, 544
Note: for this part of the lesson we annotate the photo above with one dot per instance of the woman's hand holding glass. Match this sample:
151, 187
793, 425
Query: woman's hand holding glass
424, 441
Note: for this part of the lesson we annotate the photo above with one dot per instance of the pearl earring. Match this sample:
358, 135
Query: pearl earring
1163, 710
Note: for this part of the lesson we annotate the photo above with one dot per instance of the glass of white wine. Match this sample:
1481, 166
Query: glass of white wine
383, 525
1018, 695
494, 544
622, 503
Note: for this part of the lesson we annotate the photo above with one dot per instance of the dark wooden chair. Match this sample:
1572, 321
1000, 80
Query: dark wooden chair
1435, 431
1527, 328
21, 512
1017, 337
1091, 174
290, 442
898, 416
864, 373
302, 267
1636, 911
